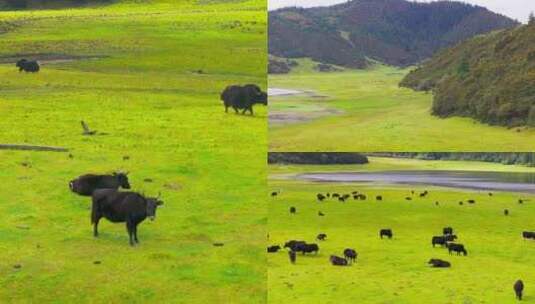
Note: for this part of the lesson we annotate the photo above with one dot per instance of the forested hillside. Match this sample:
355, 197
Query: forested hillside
504, 158
490, 77
395, 32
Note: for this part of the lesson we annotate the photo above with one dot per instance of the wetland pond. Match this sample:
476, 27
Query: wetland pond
475, 180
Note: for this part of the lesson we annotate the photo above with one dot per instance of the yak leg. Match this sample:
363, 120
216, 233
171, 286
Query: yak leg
236, 110
130, 232
135, 233
226, 109
251, 110
95, 227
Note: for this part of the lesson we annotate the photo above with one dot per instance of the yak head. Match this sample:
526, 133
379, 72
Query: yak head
122, 179
152, 204
21, 63
258, 96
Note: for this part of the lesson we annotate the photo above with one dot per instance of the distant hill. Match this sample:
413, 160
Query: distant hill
507, 158
37, 4
490, 78
395, 32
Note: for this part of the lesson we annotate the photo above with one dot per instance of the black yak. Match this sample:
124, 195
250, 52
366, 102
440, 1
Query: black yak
293, 210
447, 230
305, 248
337, 261
130, 207
350, 254
438, 263
273, 248
379, 197
438, 240
28, 66
505, 212
528, 235
458, 248
320, 197
386, 232
519, 288
87, 184
243, 97
291, 244
321, 237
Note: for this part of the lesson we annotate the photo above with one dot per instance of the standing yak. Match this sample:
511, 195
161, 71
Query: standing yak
118, 207
86, 184
243, 97
28, 66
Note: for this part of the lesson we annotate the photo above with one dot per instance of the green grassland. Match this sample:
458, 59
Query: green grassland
371, 113
395, 271
140, 85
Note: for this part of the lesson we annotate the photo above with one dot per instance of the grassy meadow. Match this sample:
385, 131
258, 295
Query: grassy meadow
365, 110
395, 271
147, 76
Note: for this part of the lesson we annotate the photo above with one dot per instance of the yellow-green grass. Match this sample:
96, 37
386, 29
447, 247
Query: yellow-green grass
395, 271
399, 164
376, 115
208, 165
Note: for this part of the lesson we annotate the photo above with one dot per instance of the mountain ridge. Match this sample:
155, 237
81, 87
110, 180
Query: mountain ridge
395, 32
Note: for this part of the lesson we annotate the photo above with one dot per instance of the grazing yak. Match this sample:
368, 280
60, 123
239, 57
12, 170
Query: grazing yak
386, 232
321, 213
320, 197
321, 237
87, 184
274, 193
243, 97
471, 201
130, 207
505, 212
438, 263
273, 248
518, 288
337, 261
28, 66
438, 240
350, 254
293, 243
305, 248
528, 235
458, 248
379, 198
292, 255
293, 210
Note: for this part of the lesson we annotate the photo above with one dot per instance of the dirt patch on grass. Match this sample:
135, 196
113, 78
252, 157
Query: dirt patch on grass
45, 59
277, 118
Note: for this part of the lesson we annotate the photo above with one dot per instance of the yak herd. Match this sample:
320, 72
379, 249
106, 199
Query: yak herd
446, 240
116, 206
237, 97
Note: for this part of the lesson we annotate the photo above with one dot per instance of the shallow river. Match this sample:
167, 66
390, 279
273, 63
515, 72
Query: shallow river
491, 181
282, 92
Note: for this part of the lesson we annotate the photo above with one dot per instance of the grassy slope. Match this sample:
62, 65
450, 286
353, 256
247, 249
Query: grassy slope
172, 125
378, 116
394, 271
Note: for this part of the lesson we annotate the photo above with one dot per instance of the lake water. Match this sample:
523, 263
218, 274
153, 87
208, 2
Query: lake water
488, 181
282, 92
